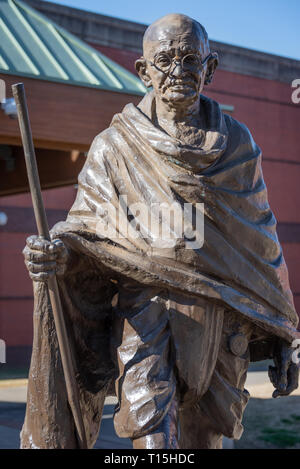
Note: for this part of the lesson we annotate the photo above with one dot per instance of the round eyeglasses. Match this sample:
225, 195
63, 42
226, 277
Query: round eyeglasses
189, 62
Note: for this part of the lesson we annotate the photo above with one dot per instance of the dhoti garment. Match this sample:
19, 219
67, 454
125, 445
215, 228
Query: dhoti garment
182, 364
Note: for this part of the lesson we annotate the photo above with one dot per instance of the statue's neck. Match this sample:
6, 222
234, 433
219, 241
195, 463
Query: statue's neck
181, 122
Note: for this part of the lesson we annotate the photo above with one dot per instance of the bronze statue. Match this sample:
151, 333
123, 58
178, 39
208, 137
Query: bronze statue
173, 325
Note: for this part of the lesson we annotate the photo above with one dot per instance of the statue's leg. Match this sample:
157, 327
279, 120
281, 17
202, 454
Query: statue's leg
146, 385
196, 430
165, 436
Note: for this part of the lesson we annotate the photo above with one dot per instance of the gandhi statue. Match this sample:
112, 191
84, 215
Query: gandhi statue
169, 327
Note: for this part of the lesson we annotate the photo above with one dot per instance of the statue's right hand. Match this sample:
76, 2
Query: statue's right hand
45, 258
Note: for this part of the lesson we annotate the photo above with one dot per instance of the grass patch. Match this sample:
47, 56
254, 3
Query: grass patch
287, 421
281, 437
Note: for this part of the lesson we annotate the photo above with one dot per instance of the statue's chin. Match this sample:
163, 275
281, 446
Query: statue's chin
177, 95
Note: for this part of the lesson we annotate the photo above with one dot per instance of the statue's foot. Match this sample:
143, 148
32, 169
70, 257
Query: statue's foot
159, 440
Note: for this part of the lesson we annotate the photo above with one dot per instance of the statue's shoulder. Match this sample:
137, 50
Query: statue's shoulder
105, 136
240, 137
238, 129
225, 123
104, 141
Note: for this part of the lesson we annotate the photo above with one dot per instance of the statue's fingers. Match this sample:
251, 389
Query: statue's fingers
41, 276
284, 361
31, 240
59, 250
26, 251
57, 243
272, 373
283, 375
292, 382
37, 256
38, 243
286, 392
293, 378
291, 388
40, 268
278, 393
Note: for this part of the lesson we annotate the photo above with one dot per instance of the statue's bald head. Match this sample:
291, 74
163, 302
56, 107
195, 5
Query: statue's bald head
173, 26
176, 60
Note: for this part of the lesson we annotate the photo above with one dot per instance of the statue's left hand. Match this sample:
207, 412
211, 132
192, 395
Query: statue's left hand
284, 375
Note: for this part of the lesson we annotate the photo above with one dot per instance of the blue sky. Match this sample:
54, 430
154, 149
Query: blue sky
267, 25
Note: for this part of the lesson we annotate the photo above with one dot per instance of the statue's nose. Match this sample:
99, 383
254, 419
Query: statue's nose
176, 70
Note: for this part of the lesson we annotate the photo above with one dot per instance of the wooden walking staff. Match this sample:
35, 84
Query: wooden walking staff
43, 230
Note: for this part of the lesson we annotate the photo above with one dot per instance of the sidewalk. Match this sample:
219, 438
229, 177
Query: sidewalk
13, 402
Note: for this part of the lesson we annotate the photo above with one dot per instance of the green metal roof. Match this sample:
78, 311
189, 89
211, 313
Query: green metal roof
32, 45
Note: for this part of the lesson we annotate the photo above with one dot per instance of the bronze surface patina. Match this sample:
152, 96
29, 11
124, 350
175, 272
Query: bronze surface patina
170, 327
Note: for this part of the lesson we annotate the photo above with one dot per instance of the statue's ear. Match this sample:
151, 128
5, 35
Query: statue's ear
141, 68
212, 64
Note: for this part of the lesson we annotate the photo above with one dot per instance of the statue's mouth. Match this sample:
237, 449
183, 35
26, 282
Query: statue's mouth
181, 85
